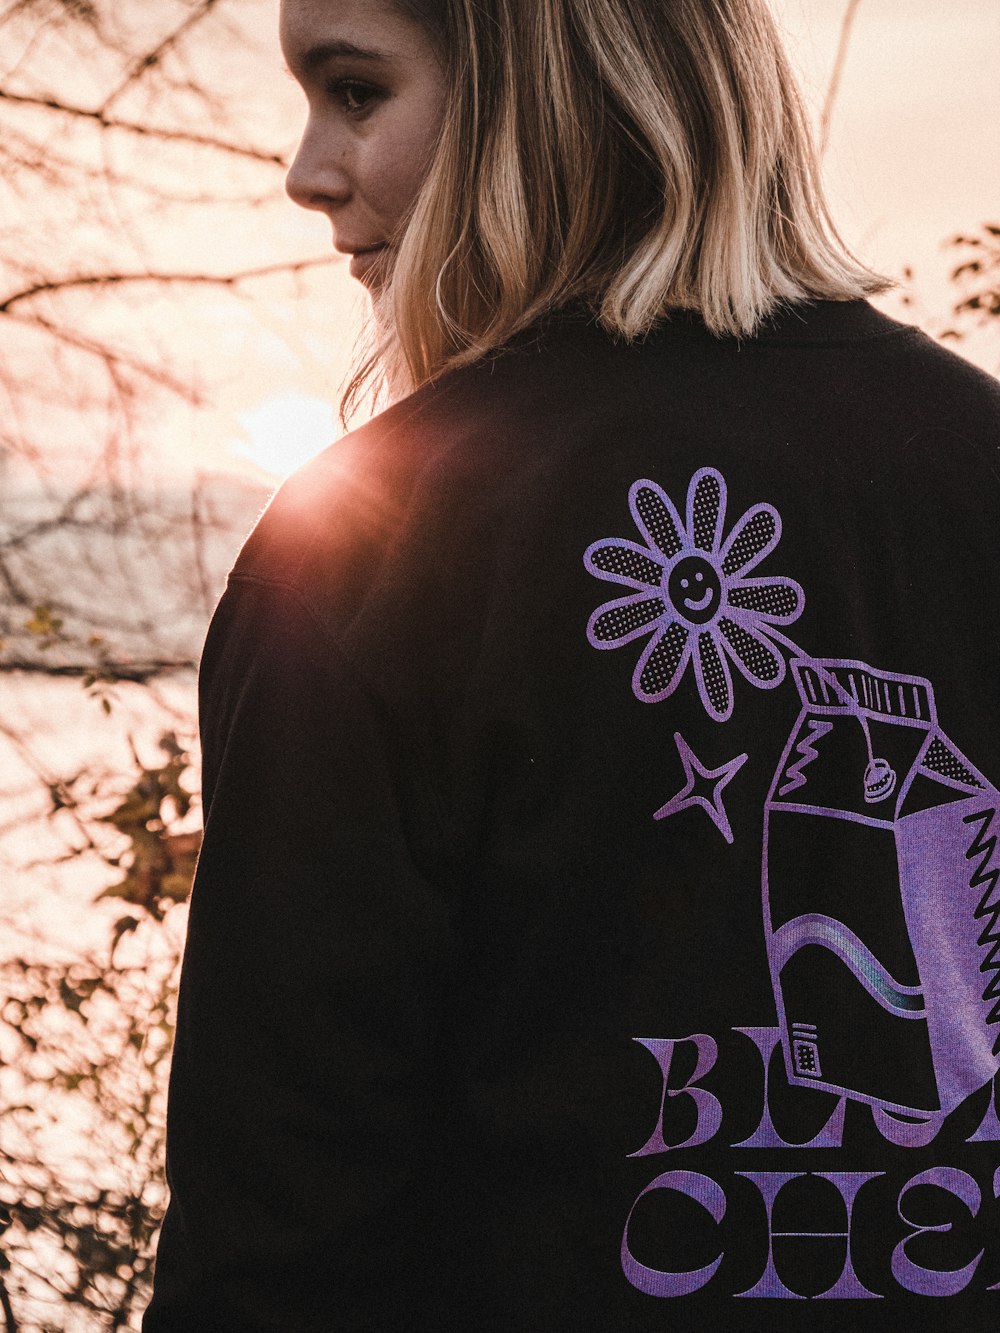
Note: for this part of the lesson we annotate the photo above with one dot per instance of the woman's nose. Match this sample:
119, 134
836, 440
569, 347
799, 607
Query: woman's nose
314, 180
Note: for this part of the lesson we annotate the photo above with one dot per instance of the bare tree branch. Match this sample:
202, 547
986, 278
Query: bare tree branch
162, 133
113, 360
162, 279
136, 673
154, 57
38, 159
843, 45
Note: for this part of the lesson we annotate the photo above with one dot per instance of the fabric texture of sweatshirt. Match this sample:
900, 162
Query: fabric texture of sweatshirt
597, 920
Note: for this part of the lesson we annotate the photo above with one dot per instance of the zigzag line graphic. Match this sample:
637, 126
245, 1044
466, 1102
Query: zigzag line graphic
808, 752
986, 910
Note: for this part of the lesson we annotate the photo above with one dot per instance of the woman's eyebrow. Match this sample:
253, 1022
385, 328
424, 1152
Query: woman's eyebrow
319, 54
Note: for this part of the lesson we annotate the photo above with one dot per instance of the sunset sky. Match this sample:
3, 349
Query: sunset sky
914, 151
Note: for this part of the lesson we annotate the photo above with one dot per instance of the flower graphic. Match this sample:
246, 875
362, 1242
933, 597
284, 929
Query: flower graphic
692, 595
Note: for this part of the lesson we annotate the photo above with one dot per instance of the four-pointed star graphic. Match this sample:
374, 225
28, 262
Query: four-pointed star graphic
702, 786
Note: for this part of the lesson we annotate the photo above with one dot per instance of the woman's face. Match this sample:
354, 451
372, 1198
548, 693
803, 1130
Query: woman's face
376, 93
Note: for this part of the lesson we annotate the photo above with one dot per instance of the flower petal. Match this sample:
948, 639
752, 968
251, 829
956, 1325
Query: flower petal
753, 654
754, 536
662, 664
621, 561
656, 517
618, 622
715, 682
778, 600
706, 508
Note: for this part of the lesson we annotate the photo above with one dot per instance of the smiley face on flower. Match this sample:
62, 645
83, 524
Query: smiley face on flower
692, 594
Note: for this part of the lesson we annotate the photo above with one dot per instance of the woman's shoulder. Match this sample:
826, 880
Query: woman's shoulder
564, 393
459, 431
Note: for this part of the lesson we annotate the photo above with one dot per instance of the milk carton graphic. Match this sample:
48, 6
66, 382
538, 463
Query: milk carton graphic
875, 821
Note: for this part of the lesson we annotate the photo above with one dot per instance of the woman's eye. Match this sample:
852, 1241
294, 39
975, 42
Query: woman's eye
355, 98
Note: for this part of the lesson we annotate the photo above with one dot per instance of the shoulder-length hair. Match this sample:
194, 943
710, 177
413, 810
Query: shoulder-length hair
638, 156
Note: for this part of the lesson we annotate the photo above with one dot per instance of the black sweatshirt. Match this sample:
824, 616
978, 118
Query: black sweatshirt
597, 922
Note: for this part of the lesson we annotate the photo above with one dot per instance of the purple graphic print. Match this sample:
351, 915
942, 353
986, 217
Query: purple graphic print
692, 595
880, 873
910, 958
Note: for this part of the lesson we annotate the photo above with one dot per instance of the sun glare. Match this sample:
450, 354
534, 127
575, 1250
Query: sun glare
282, 433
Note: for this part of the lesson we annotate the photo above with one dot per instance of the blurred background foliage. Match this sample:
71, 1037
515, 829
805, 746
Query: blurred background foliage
136, 158
135, 161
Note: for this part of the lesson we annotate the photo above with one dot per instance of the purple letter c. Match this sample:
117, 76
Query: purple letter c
653, 1281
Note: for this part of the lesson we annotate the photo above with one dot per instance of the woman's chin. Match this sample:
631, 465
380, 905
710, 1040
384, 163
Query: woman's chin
369, 267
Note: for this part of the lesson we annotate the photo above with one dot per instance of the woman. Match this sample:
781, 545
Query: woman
508, 1002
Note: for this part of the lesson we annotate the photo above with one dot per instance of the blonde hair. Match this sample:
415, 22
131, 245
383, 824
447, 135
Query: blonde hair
635, 155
